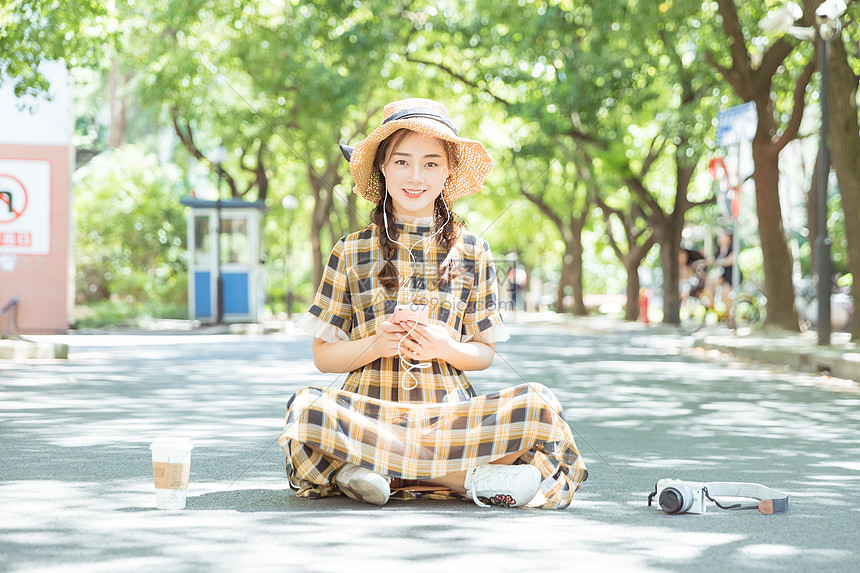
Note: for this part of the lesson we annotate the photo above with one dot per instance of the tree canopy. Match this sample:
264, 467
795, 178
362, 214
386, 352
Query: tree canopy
600, 116
35, 31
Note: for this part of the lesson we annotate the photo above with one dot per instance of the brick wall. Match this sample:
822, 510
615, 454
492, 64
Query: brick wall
44, 283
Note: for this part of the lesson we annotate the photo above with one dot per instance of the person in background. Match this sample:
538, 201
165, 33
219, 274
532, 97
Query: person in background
724, 262
691, 272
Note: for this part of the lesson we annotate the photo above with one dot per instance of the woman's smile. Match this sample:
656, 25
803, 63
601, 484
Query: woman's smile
415, 173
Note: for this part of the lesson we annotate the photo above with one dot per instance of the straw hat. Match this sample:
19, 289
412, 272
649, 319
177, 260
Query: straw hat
429, 117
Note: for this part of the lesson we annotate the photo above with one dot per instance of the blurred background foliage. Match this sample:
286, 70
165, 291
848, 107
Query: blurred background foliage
600, 117
130, 231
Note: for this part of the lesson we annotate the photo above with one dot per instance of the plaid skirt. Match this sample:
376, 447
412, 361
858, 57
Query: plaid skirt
421, 441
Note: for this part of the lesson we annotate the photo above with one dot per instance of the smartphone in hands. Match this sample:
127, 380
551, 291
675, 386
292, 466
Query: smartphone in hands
409, 312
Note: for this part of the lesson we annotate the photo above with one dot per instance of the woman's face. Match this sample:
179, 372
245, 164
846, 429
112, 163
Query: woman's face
724, 239
415, 172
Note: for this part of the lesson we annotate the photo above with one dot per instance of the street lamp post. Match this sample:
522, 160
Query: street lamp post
827, 28
822, 239
219, 154
290, 203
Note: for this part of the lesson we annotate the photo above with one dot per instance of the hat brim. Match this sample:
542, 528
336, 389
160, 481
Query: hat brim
466, 178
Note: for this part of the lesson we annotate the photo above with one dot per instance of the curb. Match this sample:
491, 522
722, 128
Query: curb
26, 350
581, 324
793, 351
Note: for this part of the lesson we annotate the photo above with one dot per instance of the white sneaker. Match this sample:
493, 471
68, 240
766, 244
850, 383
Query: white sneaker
362, 484
507, 486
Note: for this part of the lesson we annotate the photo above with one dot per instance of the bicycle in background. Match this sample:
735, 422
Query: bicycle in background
698, 307
806, 303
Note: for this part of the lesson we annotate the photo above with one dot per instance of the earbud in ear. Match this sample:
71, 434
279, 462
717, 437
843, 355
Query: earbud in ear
381, 168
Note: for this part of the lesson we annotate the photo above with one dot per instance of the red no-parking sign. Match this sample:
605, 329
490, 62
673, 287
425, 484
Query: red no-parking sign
732, 192
25, 207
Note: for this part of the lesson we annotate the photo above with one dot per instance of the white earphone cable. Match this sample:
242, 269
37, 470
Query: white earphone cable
407, 367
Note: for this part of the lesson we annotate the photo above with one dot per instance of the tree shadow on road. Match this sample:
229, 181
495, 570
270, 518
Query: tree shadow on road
641, 410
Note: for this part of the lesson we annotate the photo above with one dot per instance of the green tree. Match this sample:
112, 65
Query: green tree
630, 223
585, 77
758, 69
845, 143
36, 31
525, 59
682, 115
130, 231
563, 199
275, 87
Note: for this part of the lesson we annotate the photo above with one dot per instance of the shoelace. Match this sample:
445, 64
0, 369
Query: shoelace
475, 473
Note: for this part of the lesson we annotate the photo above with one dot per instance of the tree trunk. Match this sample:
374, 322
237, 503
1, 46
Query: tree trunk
631, 260
118, 106
316, 248
670, 245
845, 150
261, 173
571, 275
320, 214
574, 247
778, 289
571, 262
670, 239
812, 217
753, 81
563, 281
575, 251
352, 210
631, 307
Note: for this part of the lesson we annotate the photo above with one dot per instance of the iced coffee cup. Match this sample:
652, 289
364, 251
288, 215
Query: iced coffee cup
171, 466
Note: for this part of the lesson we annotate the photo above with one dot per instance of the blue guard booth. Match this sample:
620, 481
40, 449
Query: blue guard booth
235, 259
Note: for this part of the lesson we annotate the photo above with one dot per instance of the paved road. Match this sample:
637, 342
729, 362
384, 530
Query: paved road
76, 491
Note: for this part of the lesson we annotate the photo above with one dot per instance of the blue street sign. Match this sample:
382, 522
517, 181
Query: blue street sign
736, 124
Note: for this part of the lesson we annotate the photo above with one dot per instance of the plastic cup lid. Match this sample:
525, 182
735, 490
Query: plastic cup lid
171, 443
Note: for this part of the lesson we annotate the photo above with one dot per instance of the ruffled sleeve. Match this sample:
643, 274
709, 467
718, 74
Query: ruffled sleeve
482, 319
330, 315
319, 329
496, 333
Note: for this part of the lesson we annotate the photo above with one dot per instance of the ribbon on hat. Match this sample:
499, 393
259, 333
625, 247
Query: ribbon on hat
427, 112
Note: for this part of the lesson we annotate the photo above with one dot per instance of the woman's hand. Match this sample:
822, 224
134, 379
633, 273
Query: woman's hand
426, 342
387, 337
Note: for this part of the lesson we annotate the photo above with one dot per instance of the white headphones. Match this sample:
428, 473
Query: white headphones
407, 368
385, 217
424, 240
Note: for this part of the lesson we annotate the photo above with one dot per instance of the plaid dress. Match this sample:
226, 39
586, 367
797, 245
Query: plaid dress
441, 426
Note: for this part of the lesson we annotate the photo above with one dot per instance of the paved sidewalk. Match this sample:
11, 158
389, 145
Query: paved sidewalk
76, 488
798, 352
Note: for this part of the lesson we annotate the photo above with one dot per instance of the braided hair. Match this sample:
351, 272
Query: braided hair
447, 238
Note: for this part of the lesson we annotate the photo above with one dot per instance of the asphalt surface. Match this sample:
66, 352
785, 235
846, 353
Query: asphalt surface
76, 489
